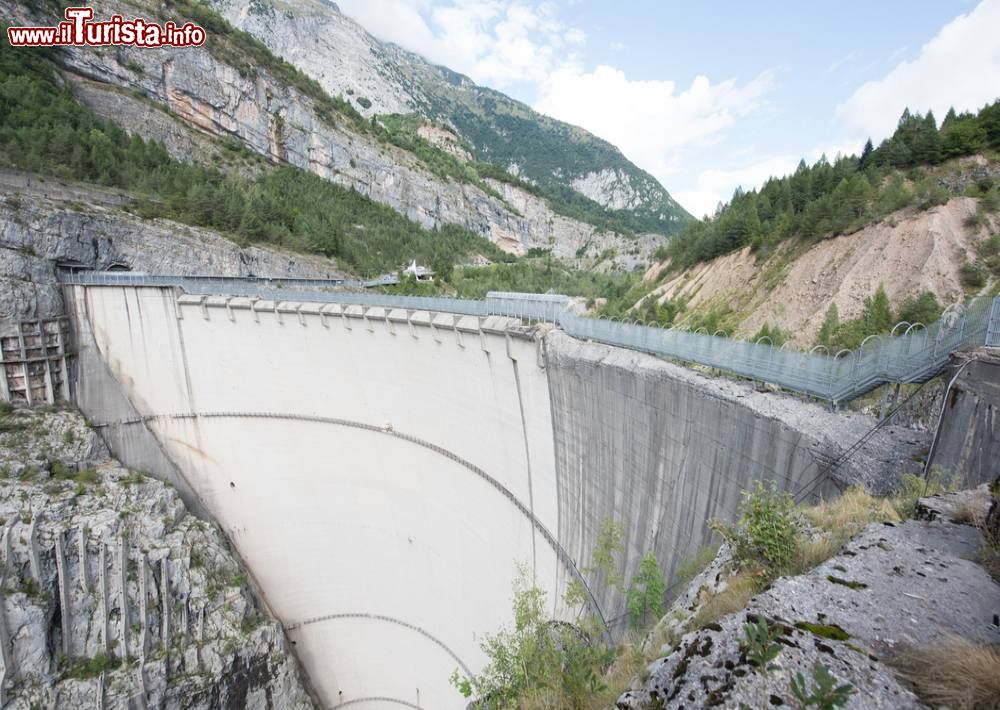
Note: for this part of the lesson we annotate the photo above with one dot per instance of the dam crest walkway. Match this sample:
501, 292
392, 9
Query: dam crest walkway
917, 353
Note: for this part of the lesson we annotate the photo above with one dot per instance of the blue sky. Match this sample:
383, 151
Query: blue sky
710, 95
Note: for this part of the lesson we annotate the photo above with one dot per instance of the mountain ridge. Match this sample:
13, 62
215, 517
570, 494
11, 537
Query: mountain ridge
234, 93
580, 172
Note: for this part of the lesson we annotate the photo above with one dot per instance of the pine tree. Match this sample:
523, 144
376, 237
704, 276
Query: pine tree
962, 135
830, 325
645, 594
877, 315
989, 120
927, 146
866, 154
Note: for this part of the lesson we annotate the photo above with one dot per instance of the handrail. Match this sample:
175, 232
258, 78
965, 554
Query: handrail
915, 356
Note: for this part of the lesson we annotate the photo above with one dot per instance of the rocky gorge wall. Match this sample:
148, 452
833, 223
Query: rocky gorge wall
385, 474
48, 222
113, 595
203, 96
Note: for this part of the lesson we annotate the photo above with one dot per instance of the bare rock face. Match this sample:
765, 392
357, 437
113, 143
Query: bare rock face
113, 595
610, 188
43, 224
892, 587
214, 99
329, 47
383, 78
969, 506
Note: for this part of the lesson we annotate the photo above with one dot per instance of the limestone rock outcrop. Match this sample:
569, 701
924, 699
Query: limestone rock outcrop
210, 96
893, 587
45, 224
113, 595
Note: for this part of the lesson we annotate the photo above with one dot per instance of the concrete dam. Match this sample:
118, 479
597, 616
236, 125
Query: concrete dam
384, 473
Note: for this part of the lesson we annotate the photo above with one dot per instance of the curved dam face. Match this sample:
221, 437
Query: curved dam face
385, 474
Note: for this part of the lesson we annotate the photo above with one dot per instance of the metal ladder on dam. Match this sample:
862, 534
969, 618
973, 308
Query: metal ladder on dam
912, 354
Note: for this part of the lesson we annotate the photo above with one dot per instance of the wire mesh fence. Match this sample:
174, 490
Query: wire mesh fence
914, 355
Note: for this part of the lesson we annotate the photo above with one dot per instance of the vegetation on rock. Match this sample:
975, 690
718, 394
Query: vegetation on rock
826, 199
45, 130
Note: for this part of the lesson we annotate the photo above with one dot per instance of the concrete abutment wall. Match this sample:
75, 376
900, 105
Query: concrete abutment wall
385, 474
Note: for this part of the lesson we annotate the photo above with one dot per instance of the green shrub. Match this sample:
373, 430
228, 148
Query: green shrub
84, 668
60, 471
989, 247
774, 335
87, 475
990, 201
645, 593
760, 642
973, 275
538, 662
930, 193
913, 487
923, 308
765, 534
824, 693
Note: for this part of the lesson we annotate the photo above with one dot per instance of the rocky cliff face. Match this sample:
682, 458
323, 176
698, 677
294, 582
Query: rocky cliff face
907, 253
185, 96
609, 188
113, 595
892, 588
338, 53
43, 224
381, 78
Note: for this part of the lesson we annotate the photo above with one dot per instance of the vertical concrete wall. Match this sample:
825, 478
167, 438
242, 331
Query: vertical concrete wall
384, 477
643, 444
382, 481
968, 437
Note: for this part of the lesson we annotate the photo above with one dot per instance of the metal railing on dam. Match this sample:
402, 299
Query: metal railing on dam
915, 355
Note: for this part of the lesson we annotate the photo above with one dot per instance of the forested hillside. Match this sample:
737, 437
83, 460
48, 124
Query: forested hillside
43, 129
580, 175
827, 199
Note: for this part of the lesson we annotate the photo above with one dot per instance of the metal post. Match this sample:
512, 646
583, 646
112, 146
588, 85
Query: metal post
895, 398
993, 329
4, 391
885, 402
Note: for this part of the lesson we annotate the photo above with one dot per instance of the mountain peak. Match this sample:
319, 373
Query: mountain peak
583, 176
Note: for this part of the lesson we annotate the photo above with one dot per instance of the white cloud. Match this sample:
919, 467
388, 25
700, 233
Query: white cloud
656, 124
398, 21
496, 42
959, 67
652, 122
700, 203
714, 186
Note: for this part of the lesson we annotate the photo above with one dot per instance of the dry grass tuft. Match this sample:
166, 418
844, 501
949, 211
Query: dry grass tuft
989, 558
812, 553
966, 515
957, 674
847, 515
628, 664
839, 519
734, 597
